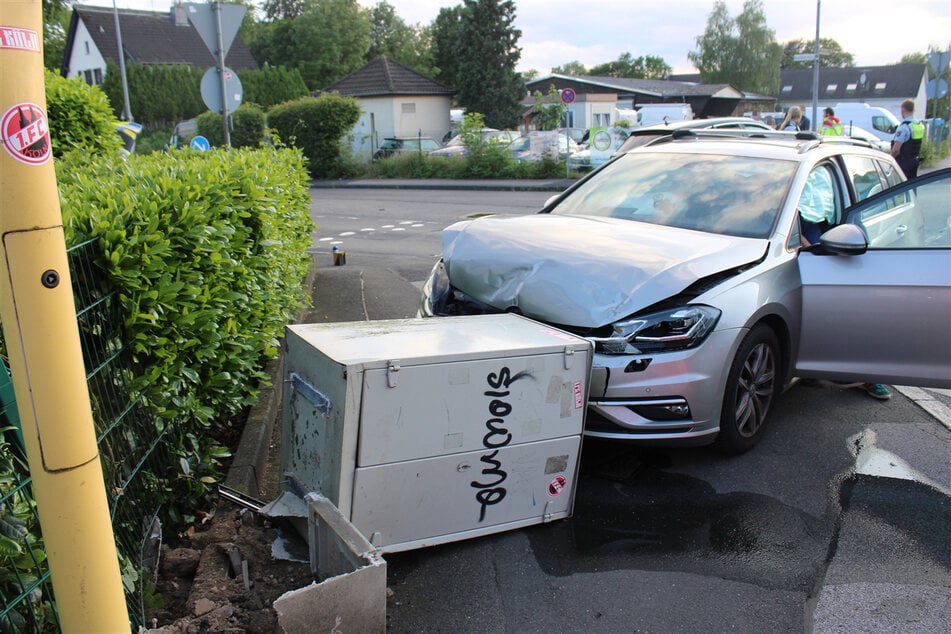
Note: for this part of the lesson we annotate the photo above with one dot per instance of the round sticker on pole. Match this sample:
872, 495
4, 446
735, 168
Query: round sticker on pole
568, 95
25, 133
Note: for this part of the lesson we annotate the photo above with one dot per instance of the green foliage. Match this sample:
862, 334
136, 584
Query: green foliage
56, 17
488, 53
79, 117
326, 41
649, 67
208, 252
446, 36
742, 52
548, 114
247, 127
575, 68
270, 86
159, 95
316, 126
392, 37
832, 56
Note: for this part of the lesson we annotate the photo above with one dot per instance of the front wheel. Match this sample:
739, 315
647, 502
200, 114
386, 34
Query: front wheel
751, 387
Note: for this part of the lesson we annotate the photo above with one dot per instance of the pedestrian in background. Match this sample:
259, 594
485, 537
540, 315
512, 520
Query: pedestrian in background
906, 145
830, 123
804, 123
792, 120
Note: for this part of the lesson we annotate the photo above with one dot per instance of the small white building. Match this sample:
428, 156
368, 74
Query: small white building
397, 101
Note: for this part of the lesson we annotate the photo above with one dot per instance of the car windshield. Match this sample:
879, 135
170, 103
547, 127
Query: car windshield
729, 195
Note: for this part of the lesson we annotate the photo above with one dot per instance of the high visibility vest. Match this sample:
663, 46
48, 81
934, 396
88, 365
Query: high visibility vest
831, 128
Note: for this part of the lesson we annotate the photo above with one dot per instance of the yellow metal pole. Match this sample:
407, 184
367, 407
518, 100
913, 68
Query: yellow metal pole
42, 337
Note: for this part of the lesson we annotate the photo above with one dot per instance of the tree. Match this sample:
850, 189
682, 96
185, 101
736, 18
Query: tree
446, 32
488, 52
742, 52
326, 41
548, 113
832, 55
649, 67
391, 36
574, 68
56, 15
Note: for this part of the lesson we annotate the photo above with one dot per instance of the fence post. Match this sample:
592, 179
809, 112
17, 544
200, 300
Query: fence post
42, 337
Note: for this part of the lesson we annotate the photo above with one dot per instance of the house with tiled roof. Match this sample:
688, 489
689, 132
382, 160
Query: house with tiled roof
597, 98
882, 86
397, 101
148, 37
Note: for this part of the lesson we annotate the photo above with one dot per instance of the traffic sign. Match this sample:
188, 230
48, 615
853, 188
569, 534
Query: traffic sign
568, 95
203, 18
211, 90
199, 143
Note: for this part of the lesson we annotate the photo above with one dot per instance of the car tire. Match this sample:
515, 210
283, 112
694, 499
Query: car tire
751, 387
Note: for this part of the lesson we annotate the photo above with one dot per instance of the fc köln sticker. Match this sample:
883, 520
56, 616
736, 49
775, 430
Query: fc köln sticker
557, 485
25, 133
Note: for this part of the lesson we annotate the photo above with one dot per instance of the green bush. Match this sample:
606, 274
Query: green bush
79, 117
316, 126
208, 252
247, 127
271, 86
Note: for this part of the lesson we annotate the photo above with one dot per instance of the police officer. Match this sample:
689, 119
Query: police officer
906, 146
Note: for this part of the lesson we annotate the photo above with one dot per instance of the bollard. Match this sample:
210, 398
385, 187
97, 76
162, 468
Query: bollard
340, 256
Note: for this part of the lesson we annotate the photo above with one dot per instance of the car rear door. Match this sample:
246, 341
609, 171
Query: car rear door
883, 315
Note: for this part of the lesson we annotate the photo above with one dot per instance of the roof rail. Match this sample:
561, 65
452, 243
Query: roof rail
743, 133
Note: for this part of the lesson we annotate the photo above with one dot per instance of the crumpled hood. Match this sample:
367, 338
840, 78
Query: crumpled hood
580, 270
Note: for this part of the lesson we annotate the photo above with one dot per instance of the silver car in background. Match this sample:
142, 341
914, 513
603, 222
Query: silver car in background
683, 261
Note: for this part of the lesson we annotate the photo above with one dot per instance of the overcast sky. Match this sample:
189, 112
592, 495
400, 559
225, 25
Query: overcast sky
555, 32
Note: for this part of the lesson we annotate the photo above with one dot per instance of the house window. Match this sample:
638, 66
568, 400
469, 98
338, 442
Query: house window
97, 76
851, 87
787, 89
569, 119
832, 87
602, 119
87, 77
408, 108
87, 47
880, 85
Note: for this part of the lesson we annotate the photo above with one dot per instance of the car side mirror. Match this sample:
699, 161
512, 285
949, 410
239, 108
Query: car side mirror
845, 239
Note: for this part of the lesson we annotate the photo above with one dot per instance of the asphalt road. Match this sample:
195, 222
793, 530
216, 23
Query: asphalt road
838, 521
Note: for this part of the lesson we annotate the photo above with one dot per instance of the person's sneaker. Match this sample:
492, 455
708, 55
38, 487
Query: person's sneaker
877, 390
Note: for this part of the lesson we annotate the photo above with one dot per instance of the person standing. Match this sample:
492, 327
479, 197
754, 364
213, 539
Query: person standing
906, 145
804, 122
830, 123
792, 120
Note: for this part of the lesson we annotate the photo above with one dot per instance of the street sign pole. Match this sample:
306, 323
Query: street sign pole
221, 76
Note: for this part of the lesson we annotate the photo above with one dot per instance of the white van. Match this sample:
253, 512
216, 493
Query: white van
879, 121
659, 113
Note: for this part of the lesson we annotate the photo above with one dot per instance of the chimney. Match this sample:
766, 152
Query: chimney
179, 17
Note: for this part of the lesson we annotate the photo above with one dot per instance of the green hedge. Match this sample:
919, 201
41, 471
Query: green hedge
79, 117
247, 124
209, 251
270, 86
317, 126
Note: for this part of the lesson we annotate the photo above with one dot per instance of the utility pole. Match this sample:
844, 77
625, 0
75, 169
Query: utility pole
42, 339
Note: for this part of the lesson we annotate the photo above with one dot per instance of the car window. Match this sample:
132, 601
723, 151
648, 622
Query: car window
882, 124
891, 173
730, 195
914, 216
864, 173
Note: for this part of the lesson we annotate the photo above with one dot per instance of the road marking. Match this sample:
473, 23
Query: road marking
929, 403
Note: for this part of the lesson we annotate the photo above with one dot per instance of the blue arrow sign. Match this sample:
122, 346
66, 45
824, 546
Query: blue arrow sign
199, 143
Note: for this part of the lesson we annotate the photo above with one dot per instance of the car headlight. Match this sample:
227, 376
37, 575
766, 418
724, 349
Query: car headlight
435, 292
677, 328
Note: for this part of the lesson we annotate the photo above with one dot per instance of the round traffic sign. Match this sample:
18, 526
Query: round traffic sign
199, 143
568, 95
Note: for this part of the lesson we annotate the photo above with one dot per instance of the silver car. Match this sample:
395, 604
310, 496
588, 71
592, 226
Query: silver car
685, 262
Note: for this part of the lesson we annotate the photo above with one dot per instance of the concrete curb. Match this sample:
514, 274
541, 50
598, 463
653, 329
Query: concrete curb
552, 185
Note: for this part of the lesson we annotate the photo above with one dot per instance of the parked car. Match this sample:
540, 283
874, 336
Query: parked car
636, 137
457, 145
682, 262
397, 146
524, 148
862, 134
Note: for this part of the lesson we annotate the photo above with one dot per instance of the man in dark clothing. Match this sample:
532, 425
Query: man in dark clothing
906, 146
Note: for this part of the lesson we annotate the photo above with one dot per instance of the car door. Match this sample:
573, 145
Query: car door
876, 292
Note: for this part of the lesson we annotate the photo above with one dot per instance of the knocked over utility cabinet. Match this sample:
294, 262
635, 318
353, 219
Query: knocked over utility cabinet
426, 431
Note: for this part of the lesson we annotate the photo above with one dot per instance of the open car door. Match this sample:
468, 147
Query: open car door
876, 291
